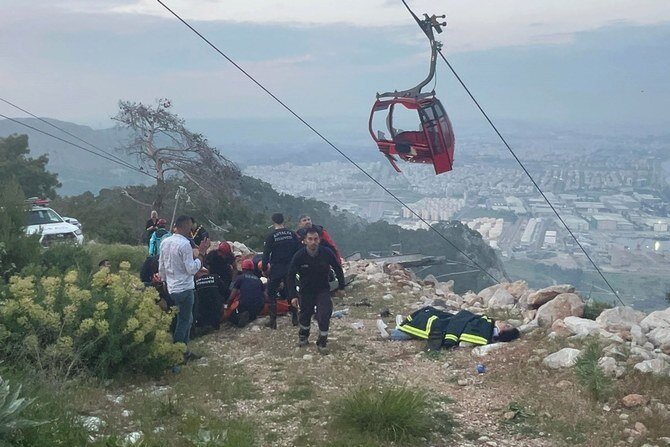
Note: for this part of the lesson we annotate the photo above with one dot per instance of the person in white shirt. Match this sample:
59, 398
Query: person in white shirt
178, 263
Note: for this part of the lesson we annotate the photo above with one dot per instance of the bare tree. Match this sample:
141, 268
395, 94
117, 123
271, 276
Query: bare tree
165, 147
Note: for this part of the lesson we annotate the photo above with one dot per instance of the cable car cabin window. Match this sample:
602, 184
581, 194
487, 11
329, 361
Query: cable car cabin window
430, 118
405, 125
379, 127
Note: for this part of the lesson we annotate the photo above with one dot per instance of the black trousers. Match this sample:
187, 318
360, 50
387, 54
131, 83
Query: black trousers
253, 311
324, 308
274, 289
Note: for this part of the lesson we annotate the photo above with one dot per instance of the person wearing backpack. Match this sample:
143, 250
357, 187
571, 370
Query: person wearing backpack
157, 237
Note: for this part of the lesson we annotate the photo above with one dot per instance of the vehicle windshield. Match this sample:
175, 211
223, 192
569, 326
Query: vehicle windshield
41, 217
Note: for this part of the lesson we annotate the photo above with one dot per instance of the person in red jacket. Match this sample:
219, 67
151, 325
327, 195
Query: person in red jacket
305, 222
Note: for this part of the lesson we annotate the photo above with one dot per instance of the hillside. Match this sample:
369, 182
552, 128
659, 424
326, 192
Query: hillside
254, 387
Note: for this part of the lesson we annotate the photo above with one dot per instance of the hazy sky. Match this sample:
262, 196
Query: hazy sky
600, 63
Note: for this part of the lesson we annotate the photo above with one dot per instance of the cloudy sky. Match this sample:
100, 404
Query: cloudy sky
599, 63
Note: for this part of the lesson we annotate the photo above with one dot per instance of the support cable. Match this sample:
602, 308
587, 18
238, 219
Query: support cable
120, 160
76, 145
326, 140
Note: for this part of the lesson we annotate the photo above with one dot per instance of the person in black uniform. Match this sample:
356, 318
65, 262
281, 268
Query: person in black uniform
220, 262
280, 246
251, 293
313, 263
211, 293
198, 232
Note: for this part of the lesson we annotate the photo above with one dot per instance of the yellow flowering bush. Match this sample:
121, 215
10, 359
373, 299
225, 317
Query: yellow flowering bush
110, 326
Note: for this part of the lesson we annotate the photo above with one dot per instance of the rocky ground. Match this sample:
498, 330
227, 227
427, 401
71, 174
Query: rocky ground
529, 394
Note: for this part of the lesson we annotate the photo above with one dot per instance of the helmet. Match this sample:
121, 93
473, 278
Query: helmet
161, 222
247, 264
224, 247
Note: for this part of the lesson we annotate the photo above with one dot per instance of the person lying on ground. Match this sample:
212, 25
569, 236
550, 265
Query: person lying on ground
445, 330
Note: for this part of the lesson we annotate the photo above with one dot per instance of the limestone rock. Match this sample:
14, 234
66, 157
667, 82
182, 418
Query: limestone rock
619, 318
634, 400
528, 327
542, 296
470, 299
660, 318
501, 299
516, 289
565, 358
654, 366
581, 326
446, 287
430, 280
563, 305
559, 328
609, 367
637, 336
487, 293
659, 336
481, 351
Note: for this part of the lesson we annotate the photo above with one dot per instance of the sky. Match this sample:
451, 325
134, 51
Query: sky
597, 64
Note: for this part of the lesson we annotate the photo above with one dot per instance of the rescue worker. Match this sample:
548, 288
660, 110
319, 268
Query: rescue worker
210, 295
150, 226
198, 232
220, 262
313, 263
443, 329
305, 222
157, 237
250, 292
280, 246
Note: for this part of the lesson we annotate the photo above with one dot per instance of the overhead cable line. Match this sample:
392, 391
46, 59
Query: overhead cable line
327, 141
509, 148
120, 160
76, 145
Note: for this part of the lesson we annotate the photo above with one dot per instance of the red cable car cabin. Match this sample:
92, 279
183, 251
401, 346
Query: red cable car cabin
434, 143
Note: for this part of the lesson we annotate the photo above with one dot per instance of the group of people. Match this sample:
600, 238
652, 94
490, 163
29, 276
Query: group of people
296, 267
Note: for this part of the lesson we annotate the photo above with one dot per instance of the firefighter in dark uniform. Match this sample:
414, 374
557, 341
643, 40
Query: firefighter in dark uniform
280, 246
211, 293
313, 264
443, 329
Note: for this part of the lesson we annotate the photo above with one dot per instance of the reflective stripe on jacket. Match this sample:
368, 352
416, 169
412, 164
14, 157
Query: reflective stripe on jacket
420, 323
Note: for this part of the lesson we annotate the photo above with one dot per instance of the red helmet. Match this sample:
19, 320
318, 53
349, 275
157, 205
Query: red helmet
247, 264
161, 222
224, 248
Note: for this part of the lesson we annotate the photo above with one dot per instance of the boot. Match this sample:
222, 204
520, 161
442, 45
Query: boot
321, 344
272, 324
303, 336
294, 315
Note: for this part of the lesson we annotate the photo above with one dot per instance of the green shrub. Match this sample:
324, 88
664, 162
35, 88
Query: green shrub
110, 326
11, 407
59, 259
117, 253
594, 308
394, 414
589, 374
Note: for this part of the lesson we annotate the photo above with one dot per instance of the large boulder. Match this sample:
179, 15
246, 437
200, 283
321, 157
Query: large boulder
501, 299
619, 319
565, 358
517, 288
659, 336
654, 366
581, 326
609, 366
487, 293
542, 296
562, 306
660, 318
470, 299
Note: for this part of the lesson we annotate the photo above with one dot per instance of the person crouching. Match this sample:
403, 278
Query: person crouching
250, 292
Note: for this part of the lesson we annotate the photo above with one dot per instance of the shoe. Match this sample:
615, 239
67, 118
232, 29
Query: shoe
190, 356
302, 341
243, 319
